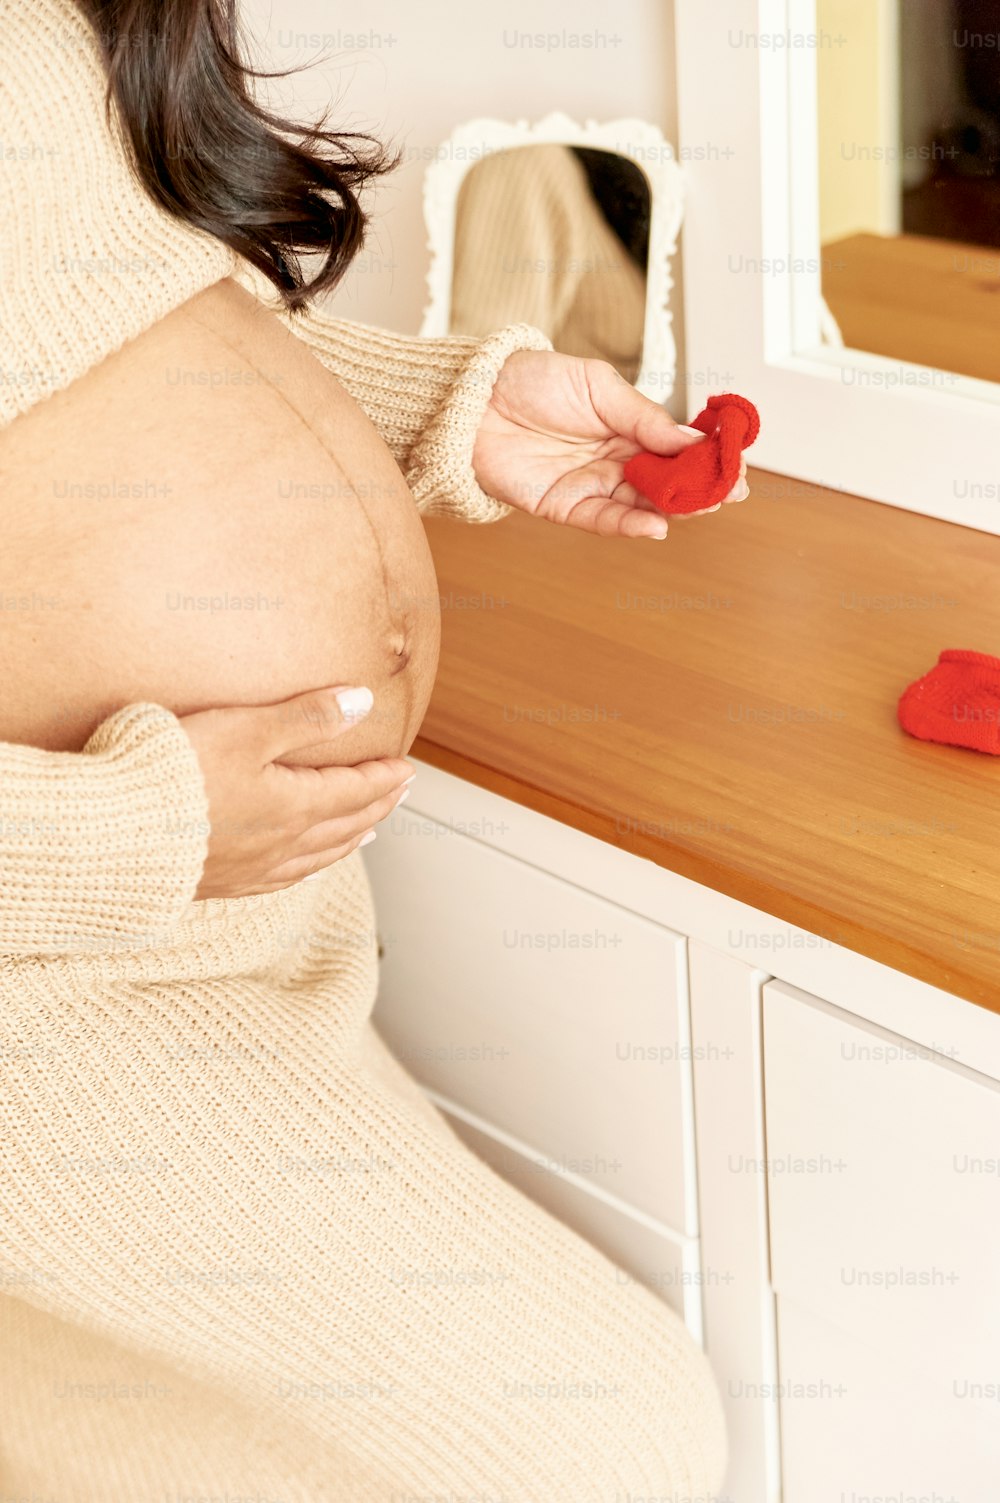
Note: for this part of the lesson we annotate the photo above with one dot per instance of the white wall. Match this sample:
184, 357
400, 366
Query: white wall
415, 68
858, 105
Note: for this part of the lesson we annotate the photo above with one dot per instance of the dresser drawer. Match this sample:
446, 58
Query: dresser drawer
552, 1014
669, 1268
884, 1195
863, 1421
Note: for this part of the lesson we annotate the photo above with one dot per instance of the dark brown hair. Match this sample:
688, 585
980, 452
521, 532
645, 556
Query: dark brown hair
210, 154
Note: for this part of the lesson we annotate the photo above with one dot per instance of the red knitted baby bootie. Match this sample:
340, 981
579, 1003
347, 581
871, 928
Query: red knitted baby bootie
958, 702
702, 475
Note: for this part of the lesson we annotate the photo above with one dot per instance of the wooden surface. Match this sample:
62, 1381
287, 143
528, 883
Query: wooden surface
934, 302
724, 703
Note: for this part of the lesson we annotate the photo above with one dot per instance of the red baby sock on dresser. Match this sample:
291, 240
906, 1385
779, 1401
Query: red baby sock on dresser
957, 703
701, 476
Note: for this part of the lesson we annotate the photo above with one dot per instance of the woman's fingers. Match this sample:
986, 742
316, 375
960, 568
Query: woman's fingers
301, 868
263, 813
342, 828
307, 719
334, 836
319, 795
631, 415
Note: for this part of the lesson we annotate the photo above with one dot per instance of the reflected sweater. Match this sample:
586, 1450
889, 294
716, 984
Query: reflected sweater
531, 242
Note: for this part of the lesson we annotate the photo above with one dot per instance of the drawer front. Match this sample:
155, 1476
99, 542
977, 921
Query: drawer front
884, 1195
862, 1421
550, 1013
666, 1267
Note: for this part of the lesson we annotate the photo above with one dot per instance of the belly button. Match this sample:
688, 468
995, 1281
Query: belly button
400, 652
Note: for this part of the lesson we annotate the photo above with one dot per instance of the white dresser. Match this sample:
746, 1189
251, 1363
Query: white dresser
796, 1146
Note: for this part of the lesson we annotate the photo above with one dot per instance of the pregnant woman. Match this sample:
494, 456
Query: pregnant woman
241, 1257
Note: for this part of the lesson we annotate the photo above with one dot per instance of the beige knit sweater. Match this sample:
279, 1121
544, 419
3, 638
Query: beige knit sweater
241, 1258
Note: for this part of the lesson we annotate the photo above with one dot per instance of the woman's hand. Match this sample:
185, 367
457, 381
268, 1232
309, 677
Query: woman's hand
273, 825
555, 438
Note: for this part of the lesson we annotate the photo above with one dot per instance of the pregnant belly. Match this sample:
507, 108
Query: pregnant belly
208, 518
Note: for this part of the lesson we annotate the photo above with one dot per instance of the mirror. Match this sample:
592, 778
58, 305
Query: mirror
852, 328
566, 228
908, 117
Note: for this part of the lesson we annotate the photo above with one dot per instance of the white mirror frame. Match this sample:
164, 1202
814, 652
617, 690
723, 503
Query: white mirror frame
918, 438
642, 142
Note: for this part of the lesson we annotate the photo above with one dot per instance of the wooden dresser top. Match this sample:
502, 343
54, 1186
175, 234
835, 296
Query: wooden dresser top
724, 703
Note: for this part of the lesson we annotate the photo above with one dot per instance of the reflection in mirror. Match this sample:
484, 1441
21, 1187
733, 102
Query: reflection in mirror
556, 236
909, 179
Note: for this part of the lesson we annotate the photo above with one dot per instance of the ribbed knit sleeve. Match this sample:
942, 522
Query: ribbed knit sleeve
104, 848
425, 396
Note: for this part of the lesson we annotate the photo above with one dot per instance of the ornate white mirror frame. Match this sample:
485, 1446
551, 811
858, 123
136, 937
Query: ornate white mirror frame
638, 140
918, 438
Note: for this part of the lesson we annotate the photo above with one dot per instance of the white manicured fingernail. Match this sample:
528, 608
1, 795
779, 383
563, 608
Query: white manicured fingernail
696, 431
366, 839
739, 492
402, 797
355, 703
409, 779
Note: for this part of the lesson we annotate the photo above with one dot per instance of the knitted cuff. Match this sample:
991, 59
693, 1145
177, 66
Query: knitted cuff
105, 847
440, 472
